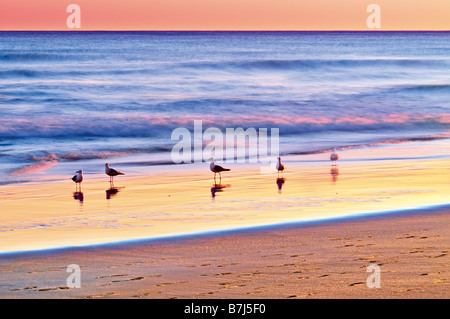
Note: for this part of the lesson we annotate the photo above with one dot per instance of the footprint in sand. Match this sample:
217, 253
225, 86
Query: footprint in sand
110, 276
258, 290
205, 293
301, 296
407, 236
405, 290
170, 283
101, 296
430, 273
264, 256
149, 293
129, 279
356, 283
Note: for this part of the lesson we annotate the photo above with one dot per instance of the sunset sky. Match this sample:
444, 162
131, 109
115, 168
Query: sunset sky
225, 14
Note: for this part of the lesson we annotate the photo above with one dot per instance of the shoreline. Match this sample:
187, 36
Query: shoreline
406, 212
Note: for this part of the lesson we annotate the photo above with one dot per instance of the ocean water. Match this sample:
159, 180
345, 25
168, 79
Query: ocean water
74, 99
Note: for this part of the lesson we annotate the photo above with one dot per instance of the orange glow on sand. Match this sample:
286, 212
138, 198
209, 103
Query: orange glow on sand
46, 215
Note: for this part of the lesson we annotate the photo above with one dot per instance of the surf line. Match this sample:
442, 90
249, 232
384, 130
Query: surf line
212, 310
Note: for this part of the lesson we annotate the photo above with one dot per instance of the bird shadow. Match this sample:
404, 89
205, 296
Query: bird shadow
112, 191
217, 188
79, 196
280, 182
334, 174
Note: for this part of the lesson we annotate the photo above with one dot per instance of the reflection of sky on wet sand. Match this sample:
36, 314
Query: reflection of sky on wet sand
42, 215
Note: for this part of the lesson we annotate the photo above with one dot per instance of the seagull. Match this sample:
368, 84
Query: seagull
280, 166
334, 157
217, 169
111, 172
78, 178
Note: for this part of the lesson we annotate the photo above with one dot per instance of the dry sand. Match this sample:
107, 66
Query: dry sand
325, 260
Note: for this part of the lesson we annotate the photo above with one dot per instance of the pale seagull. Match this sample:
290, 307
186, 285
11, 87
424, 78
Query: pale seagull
217, 169
111, 172
78, 178
334, 157
280, 166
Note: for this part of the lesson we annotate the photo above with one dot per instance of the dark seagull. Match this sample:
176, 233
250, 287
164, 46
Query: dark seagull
217, 169
111, 172
78, 178
334, 157
280, 166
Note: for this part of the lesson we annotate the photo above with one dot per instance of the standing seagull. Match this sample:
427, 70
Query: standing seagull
217, 169
280, 166
111, 172
78, 178
334, 157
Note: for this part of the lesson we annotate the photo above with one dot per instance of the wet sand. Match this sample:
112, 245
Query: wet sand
184, 200
324, 260
301, 246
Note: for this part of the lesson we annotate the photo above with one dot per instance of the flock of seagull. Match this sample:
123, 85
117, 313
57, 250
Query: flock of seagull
111, 172
216, 169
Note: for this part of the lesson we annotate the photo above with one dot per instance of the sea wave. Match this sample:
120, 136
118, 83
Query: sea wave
424, 87
371, 144
295, 64
161, 125
34, 56
149, 68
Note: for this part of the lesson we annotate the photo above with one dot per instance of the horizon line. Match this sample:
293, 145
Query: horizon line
219, 30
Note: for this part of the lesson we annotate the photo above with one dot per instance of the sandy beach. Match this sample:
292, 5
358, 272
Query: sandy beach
172, 236
325, 260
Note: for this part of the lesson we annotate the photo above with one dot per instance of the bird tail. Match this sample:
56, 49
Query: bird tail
226, 169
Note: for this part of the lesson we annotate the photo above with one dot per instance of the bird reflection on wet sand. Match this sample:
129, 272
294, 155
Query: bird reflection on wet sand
334, 174
280, 183
79, 196
112, 191
217, 188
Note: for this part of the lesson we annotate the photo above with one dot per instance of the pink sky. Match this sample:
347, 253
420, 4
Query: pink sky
225, 14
